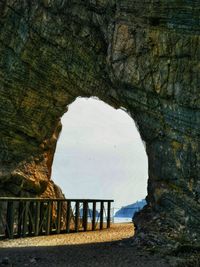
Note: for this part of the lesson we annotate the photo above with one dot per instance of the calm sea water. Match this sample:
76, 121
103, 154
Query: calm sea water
122, 220
113, 219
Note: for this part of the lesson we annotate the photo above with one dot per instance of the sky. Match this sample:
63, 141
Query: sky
100, 154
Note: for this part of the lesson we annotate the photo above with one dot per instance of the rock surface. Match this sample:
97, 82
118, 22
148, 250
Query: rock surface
139, 55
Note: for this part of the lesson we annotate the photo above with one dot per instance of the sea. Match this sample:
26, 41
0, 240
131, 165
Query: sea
121, 219
113, 219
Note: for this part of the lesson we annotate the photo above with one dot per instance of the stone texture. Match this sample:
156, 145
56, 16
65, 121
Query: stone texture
139, 55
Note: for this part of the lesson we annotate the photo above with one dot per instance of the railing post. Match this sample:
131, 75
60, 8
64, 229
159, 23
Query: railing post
48, 219
59, 210
37, 218
101, 215
68, 216
77, 214
42, 218
10, 219
20, 219
31, 215
94, 215
25, 218
85, 215
108, 214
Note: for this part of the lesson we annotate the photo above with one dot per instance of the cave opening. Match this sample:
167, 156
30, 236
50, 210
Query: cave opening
100, 154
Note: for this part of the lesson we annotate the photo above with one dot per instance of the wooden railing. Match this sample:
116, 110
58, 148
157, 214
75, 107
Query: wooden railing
21, 217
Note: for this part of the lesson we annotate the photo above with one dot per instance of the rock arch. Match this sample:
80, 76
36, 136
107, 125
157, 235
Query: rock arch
141, 56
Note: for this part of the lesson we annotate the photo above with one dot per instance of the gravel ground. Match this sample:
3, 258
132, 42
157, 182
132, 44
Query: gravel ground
109, 247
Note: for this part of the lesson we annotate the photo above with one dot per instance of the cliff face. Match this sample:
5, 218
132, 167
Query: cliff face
140, 55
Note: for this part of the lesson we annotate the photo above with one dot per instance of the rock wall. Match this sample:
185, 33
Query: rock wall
139, 55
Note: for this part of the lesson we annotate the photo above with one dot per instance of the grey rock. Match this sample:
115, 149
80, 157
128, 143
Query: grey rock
139, 55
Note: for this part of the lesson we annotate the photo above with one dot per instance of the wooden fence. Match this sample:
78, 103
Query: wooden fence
21, 217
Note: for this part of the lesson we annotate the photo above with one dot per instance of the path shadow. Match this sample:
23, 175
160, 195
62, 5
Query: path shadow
116, 254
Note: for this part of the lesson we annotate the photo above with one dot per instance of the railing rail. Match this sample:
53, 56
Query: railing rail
21, 217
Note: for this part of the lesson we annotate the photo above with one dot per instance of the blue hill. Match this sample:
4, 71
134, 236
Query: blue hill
129, 210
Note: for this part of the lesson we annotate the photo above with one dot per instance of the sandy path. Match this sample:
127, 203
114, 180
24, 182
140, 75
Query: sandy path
116, 232
99, 248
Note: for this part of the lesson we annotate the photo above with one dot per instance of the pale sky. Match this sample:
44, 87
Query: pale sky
100, 154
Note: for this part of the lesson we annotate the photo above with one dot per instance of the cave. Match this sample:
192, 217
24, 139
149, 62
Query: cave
143, 57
